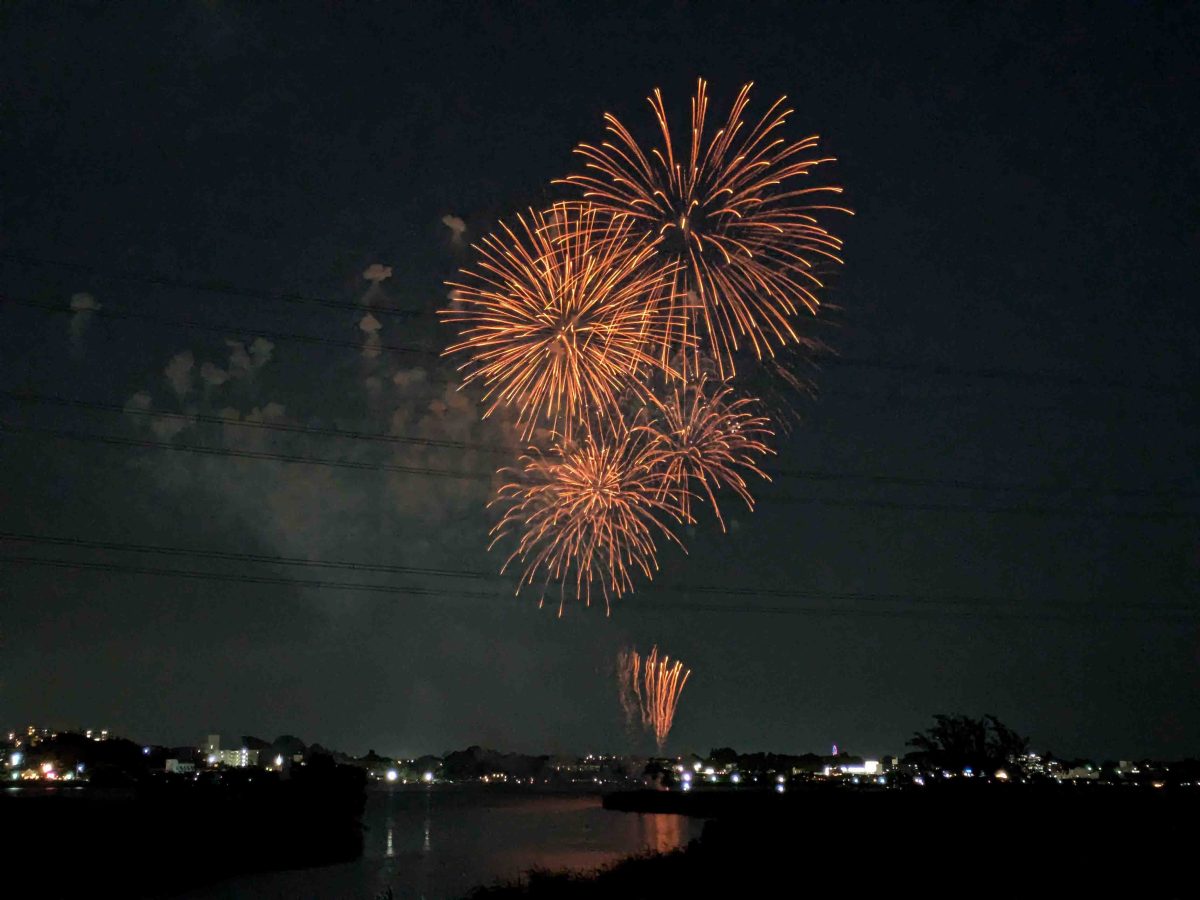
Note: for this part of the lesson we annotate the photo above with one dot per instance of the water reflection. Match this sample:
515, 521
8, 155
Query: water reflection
427, 846
662, 833
483, 837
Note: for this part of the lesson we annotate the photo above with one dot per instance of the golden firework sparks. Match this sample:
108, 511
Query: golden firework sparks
561, 316
653, 685
745, 235
587, 514
702, 439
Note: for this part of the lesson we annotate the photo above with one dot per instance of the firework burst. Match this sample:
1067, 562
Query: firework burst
702, 439
561, 316
588, 515
651, 685
732, 216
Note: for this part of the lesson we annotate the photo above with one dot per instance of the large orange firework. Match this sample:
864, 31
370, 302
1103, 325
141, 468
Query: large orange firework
702, 439
588, 514
653, 686
733, 214
561, 316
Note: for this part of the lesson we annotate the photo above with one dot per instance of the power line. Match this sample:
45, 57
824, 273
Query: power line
478, 575
48, 399
240, 454
917, 368
234, 556
1160, 613
807, 475
1017, 375
226, 329
207, 285
851, 503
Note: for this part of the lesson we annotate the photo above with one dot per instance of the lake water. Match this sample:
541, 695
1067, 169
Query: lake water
441, 842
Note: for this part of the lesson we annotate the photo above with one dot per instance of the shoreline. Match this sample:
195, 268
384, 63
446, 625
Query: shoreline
936, 843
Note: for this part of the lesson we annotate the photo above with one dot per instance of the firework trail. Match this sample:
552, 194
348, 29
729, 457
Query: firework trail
701, 441
588, 514
652, 686
629, 689
744, 235
561, 316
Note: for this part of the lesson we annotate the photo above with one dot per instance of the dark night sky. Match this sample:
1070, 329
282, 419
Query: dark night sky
1025, 182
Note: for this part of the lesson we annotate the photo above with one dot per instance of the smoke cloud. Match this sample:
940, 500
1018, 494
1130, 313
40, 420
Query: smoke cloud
179, 373
377, 272
84, 306
370, 326
213, 376
457, 228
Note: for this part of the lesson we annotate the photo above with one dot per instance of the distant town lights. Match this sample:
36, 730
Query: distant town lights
427, 777
392, 774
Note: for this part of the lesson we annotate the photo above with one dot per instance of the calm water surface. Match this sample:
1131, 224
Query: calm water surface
441, 842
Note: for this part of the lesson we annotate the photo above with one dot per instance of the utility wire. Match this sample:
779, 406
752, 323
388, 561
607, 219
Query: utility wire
1160, 613
115, 441
53, 400
205, 285
807, 475
478, 575
226, 330
926, 369
852, 503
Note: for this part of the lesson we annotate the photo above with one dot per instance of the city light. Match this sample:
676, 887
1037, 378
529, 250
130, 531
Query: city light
427, 777
15, 759
392, 774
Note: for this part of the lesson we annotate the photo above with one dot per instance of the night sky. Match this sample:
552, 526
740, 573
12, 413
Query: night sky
1009, 406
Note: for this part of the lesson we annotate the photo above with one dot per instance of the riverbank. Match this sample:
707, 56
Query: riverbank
161, 837
939, 843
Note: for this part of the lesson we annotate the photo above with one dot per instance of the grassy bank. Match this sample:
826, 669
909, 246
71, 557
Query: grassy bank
938, 844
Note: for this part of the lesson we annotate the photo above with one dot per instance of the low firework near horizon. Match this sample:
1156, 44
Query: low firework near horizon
650, 688
608, 325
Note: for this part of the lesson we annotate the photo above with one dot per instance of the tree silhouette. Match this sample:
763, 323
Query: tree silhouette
957, 742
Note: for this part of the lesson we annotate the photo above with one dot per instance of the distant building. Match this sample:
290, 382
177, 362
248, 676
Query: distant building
180, 768
866, 767
238, 759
